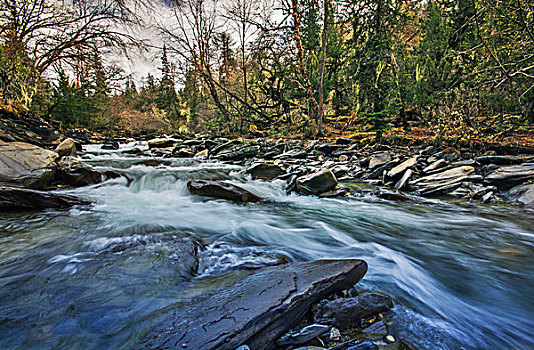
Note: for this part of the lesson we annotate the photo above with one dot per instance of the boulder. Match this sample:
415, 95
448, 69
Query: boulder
444, 181
15, 198
66, 148
343, 313
113, 145
254, 310
72, 172
508, 177
316, 183
265, 171
26, 165
223, 190
523, 194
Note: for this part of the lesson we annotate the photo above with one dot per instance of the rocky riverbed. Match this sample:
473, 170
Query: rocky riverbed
312, 304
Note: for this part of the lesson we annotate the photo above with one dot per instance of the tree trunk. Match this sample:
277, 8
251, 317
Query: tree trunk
320, 107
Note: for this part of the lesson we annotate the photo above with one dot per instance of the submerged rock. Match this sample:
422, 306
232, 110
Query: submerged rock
74, 173
316, 183
26, 165
256, 310
343, 313
223, 190
14, 198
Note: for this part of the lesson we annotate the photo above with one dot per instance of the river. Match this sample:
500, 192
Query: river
90, 277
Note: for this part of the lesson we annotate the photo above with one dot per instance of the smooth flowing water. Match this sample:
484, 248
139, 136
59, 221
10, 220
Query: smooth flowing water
90, 277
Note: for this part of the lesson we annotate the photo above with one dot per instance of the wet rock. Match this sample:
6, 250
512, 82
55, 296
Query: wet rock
14, 198
316, 183
26, 165
304, 335
202, 154
402, 167
239, 153
343, 313
26, 127
378, 159
162, 143
296, 154
74, 173
183, 153
342, 192
327, 148
444, 181
366, 345
392, 196
523, 194
265, 171
508, 177
66, 148
254, 310
110, 146
499, 160
404, 179
83, 135
223, 190
378, 328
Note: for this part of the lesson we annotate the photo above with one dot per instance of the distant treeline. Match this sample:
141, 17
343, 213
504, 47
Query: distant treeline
273, 66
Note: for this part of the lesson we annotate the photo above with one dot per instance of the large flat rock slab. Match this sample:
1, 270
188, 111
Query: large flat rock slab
25, 164
255, 311
13, 198
508, 177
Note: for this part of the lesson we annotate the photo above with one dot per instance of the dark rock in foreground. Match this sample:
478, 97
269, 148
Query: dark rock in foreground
223, 190
14, 198
256, 310
343, 313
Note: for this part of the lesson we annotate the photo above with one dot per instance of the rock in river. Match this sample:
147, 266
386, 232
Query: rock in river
74, 173
256, 310
343, 313
508, 177
14, 198
25, 164
66, 148
317, 183
223, 190
265, 171
523, 194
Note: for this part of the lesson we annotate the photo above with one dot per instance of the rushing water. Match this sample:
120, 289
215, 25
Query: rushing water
90, 277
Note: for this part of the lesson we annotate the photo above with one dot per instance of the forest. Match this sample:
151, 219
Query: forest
272, 67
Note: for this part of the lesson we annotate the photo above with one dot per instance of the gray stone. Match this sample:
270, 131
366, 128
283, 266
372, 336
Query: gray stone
14, 198
378, 159
254, 310
402, 167
366, 345
508, 177
438, 164
265, 171
239, 153
66, 148
343, 313
223, 190
523, 194
26, 165
74, 173
316, 183
162, 143
444, 181
304, 335
404, 179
